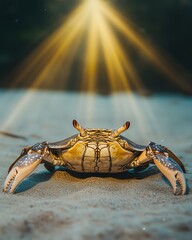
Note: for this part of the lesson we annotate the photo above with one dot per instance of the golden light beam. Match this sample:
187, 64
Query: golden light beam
42, 57
46, 57
51, 62
59, 55
115, 59
22, 103
115, 71
91, 54
89, 76
128, 66
163, 63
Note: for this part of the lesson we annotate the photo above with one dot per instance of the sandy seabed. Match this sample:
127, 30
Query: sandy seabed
66, 205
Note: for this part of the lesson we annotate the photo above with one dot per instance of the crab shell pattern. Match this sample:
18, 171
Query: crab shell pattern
97, 150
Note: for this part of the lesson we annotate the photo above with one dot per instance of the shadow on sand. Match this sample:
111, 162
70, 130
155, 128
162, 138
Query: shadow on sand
43, 176
33, 180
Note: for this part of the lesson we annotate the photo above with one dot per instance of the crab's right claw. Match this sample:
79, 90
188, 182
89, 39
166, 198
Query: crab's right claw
20, 170
172, 172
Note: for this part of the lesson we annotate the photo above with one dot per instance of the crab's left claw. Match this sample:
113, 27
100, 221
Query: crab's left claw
20, 170
172, 172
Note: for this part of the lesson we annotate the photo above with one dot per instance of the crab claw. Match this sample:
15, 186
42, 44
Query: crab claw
172, 172
20, 170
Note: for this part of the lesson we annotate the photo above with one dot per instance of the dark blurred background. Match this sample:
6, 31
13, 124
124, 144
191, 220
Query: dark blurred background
167, 23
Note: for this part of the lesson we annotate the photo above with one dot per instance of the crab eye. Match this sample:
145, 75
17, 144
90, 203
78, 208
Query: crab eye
79, 128
117, 132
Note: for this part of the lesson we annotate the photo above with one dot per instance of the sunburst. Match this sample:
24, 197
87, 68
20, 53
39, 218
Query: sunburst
91, 29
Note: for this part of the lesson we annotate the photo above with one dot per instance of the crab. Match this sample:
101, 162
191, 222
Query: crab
97, 151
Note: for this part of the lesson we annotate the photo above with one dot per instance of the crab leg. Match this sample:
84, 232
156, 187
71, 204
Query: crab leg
20, 170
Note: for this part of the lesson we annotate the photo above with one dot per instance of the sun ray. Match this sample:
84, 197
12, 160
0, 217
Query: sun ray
56, 58
173, 72
98, 24
36, 66
114, 59
115, 70
21, 104
91, 55
46, 61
